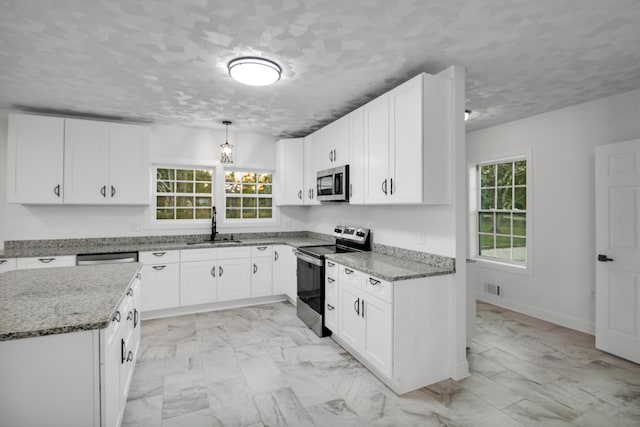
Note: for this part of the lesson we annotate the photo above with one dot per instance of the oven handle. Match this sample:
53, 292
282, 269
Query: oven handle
309, 259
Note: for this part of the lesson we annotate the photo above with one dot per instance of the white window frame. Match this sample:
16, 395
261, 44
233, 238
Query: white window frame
178, 223
474, 204
222, 212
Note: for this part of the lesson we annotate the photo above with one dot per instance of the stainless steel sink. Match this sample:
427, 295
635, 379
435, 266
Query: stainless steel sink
214, 243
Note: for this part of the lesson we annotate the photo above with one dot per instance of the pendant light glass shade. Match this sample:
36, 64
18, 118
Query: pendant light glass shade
254, 71
226, 149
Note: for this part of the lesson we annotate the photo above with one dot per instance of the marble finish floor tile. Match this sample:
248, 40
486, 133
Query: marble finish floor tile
260, 366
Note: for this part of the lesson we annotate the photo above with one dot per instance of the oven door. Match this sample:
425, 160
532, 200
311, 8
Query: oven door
310, 273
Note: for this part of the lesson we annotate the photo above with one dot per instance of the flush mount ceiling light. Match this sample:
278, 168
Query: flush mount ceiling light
226, 149
467, 114
254, 71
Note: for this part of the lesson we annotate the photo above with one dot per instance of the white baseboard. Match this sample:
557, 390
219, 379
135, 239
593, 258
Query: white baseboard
581, 325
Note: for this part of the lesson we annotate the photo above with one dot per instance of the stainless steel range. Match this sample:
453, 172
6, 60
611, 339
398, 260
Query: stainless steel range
311, 273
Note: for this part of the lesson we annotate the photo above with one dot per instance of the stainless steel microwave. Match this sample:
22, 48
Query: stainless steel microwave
333, 185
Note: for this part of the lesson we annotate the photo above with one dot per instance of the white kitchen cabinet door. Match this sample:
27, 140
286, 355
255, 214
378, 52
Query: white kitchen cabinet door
35, 159
338, 145
46, 262
7, 264
376, 166
261, 279
291, 171
198, 282
86, 161
284, 272
351, 324
234, 279
160, 286
377, 344
110, 378
356, 156
311, 150
128, 164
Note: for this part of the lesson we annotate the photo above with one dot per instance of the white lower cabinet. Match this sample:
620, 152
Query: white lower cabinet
234, 279
261, 281
396, 329
46, 262
7, 264
284, 272
160, 279
198, 282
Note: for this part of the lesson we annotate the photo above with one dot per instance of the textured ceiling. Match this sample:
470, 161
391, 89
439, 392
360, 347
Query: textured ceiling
165, 61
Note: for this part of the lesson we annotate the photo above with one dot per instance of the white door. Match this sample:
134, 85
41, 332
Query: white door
261, 279
128, 164
160, 286
351, 323
234, 279
86, 162
356, 160
618, 249
377, 343
198, 282
376, 150
311, 144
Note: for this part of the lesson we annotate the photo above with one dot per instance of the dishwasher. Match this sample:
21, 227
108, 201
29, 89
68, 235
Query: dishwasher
106, 258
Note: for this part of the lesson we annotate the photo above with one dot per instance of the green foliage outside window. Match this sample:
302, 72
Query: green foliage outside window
184, 194
248, 195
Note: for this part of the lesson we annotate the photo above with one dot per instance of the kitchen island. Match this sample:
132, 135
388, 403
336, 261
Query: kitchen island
68, 344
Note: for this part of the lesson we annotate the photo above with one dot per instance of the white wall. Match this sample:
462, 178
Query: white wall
563, 207
169, 145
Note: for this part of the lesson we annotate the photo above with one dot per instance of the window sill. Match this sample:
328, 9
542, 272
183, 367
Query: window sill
504, 266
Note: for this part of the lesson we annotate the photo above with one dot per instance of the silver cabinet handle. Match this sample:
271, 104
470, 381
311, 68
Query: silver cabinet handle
309, 194
2, 261
384, 186
330, 307
330, 280
362, 314
373, 281
130, 315
335, 155
213, 271
261, 248
113, 191
347, 271
255, 268
46, 260
312, 193
275, 255
331, 156
123, 351
159, 254
130, 356
391, 186
159, 267
221, 271
300, 194
103, 191
56, 190
130, 292
330, 264
116, 317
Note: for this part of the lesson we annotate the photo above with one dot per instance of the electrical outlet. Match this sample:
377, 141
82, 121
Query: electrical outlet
492, 289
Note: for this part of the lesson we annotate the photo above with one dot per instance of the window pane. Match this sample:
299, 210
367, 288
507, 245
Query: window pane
249, 188
486, 245
520, 198
249, 202
248, 177
521, 173
164, 187
264, 189
503, 248
203, 201
265, 202
264, 213
184, 174
249, 213
184, 187
164, 201
488, 197
184, 213
231, 177
505, 174
203, 213
203, 175
232, 188
233, 213
265, 178
488, 176
519, 249
485, 223
233, 202
164, 214
519, 225
184, 201
503, 223
505, 198
164, 174
203, 187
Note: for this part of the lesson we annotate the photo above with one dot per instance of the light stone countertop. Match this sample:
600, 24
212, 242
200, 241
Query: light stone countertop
96, 249
47, 301
387, 267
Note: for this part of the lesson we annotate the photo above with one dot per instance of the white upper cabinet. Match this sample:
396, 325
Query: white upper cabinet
106, 163
35, 159
356, 156
334, 144
407, 143
311, 150
290, 158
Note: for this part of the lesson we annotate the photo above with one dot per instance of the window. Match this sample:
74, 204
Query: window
183, 194
248, 195
502, 214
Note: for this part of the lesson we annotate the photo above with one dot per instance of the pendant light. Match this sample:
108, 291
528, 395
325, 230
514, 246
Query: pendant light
226, 149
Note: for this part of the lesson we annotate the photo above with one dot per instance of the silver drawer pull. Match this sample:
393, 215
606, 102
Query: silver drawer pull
116, 317
2, 261
261, 248
130, 292
347, 271
130, 356
373, 281
330, 280
46, 260
130, 315
330, 307
159, 254
330, 264
159, 267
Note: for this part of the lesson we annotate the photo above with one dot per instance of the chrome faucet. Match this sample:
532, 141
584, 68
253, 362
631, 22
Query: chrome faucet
214, 226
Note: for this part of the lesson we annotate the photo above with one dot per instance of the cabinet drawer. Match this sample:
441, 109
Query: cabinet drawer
261, 251
159, 257
349, 276
379, 288
331, 287
7, 264
331, 268
233, 253
207, 254
45, 262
